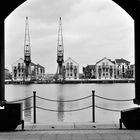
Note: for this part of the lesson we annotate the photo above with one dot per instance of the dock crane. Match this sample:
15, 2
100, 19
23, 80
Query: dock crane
60, 54
27, 53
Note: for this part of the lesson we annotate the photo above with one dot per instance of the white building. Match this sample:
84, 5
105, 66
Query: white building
18, 70
36, 72
70, 69
105, 69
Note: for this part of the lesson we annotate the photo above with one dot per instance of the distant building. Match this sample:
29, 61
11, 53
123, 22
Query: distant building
108, 69
122, 67
18, 70
105, 69
37, 72
81, 76
131, 71
49, 78
70, 69
89, 72
8, 75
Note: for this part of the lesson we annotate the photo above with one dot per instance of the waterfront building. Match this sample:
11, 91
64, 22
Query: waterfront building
40, 72
7, 75
49, 77
70, 69
122, 67
89, 71
81, 76
18, 71
108, 69
105, 69
131, 71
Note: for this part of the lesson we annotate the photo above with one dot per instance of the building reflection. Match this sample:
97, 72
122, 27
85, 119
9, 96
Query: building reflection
60, 109
27, 109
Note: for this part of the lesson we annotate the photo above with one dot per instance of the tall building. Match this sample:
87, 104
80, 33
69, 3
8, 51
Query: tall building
71, 69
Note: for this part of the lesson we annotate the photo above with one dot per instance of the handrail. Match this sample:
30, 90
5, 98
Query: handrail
113, 99
115, 110
34, 106
20, 99
64, 100
27, 108
46, 109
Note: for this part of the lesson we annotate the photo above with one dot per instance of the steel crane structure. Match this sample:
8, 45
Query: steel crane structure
60, 53
27, 52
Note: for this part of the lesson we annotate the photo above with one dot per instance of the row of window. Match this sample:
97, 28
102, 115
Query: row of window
22, 70
71, 74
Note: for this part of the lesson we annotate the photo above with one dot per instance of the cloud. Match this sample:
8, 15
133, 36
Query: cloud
92, 29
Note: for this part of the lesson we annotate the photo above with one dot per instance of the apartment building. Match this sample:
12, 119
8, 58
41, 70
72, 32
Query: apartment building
70, 69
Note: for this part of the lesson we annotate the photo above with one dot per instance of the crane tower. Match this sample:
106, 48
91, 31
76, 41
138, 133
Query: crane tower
60, 52
27, 52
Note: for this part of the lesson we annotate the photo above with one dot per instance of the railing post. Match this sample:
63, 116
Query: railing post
34, 105
93, 106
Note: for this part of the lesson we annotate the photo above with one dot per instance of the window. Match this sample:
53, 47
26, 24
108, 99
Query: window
106, 69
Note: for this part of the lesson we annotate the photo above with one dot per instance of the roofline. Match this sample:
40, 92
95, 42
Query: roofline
103, 59
72, 60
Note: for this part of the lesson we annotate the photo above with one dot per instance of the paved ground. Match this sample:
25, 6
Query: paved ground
71, 131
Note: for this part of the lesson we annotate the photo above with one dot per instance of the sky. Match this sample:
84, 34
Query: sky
92, 30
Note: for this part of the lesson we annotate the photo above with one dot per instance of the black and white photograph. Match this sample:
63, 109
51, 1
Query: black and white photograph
69, 70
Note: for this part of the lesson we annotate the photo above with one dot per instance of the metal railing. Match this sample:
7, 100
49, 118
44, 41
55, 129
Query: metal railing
35, 106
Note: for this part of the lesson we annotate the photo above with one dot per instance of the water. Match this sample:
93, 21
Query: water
69, 92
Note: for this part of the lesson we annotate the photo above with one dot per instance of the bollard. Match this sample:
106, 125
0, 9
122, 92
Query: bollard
22, 124
34, 105
93, 106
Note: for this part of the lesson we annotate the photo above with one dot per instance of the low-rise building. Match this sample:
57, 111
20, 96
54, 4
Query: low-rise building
108, 69
36, 71
89, 71
18, 70
105, 69
8, 75
70, 69
122, 67
131, 72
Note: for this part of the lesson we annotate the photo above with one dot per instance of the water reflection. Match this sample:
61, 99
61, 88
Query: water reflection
60, 108
69, 92
27, 109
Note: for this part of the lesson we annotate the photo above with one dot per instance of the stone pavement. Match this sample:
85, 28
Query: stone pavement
71, 131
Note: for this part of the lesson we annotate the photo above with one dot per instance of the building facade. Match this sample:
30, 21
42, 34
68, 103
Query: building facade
8, 75
105, 69
122, 67
37, 72
89, 72
70, 69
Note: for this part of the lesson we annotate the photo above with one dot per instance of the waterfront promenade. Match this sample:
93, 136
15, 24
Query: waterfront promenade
71, 131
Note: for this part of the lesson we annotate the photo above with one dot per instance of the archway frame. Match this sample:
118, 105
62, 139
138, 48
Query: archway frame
132, 7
